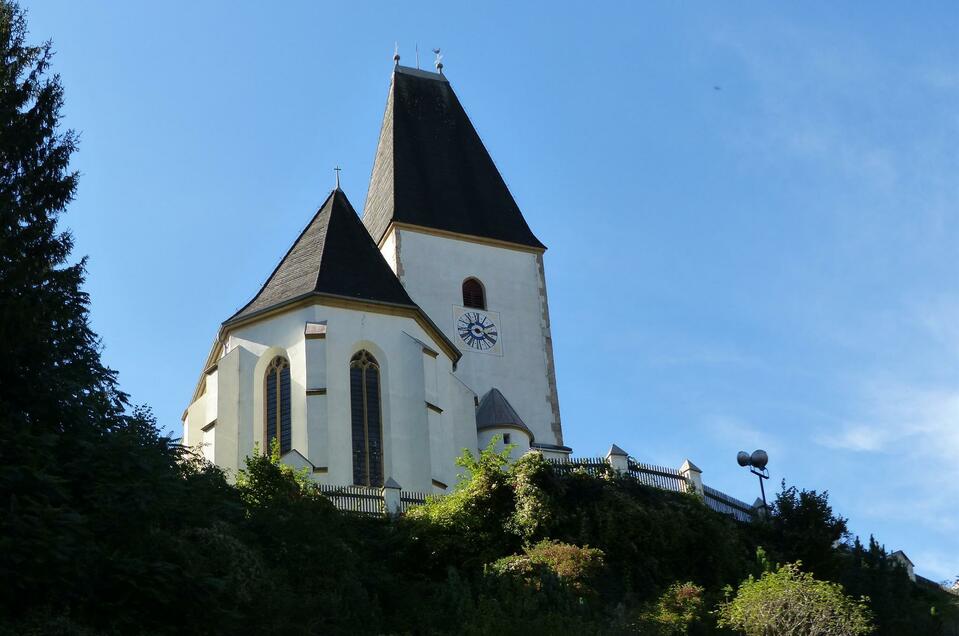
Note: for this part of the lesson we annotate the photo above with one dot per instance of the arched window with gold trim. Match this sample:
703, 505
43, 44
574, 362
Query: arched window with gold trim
277, 399
474, 295
366, 420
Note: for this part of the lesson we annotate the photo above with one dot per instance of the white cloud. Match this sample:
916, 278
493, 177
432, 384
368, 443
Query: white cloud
855, 437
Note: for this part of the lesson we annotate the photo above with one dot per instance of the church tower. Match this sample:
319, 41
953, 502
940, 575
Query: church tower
448, 226
378, 349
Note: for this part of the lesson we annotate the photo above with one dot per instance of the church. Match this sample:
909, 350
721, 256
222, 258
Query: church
380, 347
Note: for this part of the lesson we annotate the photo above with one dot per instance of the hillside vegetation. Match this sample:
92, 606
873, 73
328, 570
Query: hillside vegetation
109, 527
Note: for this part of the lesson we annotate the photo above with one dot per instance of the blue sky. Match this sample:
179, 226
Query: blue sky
752, 211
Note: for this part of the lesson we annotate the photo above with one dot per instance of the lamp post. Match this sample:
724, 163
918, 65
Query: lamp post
757, 466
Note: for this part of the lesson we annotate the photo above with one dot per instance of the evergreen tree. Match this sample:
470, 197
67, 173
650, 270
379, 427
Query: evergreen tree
52, 378
52, 381
90, 493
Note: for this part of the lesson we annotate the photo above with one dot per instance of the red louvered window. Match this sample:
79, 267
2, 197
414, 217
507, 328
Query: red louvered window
473, 294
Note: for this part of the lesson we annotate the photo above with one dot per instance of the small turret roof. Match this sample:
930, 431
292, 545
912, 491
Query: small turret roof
334, 255
616, 451
495, 411
432, 170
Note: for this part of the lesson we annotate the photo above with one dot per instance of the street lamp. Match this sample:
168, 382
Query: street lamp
757, 466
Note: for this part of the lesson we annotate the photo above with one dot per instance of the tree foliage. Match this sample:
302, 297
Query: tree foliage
675, 612
805, 528
792, 602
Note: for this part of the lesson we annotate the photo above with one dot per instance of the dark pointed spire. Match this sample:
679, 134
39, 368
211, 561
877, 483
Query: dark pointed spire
433, 171
334, 255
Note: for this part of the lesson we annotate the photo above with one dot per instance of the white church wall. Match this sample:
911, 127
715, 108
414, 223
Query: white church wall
347, 339
412, 453
315, 363
212, 388
228, 411
462, 408
195, 420
434, 269
517, 439
389, 252
293, 350
317, 418
321, 423
208, 443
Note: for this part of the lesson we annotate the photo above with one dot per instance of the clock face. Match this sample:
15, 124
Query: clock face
477, 330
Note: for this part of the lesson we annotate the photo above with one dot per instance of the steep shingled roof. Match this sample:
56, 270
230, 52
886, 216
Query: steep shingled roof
495, 411
333, 255
432, 170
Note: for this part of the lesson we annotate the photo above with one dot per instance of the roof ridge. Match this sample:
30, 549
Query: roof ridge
329, 221
418, 72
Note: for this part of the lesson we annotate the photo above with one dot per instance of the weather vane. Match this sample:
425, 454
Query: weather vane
396, 53
439, 61
336, 171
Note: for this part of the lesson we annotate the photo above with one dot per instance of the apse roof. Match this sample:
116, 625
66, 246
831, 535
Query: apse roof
432, 170
495, 411
333, 255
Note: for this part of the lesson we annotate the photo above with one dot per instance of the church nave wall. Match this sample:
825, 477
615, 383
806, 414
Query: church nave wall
426, 414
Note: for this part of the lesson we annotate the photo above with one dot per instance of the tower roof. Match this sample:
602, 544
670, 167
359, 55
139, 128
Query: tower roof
495, 411
432, 170
334, 255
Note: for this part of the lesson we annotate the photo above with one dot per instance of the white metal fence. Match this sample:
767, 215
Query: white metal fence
688, 479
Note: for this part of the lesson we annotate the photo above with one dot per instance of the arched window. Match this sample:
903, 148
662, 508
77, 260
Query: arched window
367, 420
277, 393
473, 294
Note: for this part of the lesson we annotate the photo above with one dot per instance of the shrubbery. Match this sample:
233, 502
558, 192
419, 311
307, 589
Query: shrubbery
790, 601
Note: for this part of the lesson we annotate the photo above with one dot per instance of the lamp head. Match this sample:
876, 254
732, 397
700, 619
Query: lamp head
759, 459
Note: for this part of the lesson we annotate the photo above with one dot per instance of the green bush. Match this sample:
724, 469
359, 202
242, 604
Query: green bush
577, 568
789, 601
680, 607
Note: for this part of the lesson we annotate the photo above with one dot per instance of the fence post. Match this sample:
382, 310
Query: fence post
391, 497
693, 476
618, 459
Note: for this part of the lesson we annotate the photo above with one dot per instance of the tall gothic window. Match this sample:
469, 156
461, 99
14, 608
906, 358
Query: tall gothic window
277, 392
473, 295
367, 420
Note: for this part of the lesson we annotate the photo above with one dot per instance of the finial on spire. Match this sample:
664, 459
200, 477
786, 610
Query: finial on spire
417, 46
336, 171
438, 63
396, 54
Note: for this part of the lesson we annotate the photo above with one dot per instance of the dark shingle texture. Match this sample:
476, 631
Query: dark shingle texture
495, 411
333, 255
432, 170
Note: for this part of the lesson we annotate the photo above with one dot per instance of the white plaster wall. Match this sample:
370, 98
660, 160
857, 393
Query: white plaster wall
389, 251
321, 423
208, 442
194, 422
518, 440
234, 409
316, 419
434, 269
211, 396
